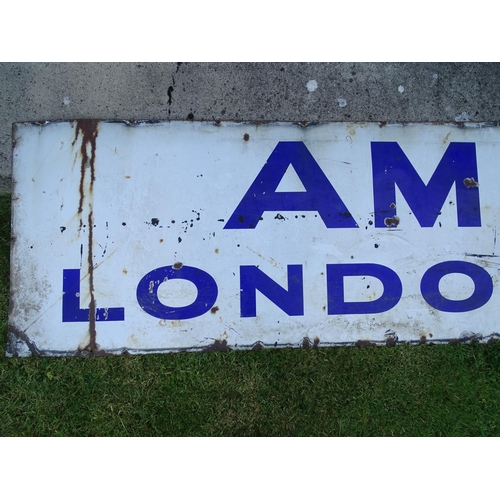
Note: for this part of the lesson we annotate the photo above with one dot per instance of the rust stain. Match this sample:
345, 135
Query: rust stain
89, 352
89, 131
257, 346
214, 309
270, 259
391, 221
133, 339
246, 137
306, 343
423, 339
316, 342
470, 182
217, 346
177, 265
390, 341
364, 343
92, 307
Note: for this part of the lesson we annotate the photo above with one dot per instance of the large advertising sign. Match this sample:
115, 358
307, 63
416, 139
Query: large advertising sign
172, 236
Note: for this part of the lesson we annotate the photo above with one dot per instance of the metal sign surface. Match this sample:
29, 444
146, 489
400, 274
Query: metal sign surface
161, 237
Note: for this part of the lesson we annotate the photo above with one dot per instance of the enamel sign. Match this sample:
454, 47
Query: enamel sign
164, 237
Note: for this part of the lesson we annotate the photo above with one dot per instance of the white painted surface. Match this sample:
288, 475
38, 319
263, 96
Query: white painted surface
196, 174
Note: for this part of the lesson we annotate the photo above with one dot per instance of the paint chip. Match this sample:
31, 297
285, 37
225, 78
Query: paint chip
401, 89
462, 117
342, 102
468, 183
66, 101
392, 221
312, 85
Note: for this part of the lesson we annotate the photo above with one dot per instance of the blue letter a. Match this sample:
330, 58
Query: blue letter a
320, 196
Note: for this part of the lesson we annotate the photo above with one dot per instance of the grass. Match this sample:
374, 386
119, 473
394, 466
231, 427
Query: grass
449, 390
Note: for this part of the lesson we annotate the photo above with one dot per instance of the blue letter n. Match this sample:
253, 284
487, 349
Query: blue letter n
290, 301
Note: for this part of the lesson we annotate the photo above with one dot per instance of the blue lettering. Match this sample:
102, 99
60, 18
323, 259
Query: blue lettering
335, 273
320, 196
483, 286
71, 311
147, 292
290, 301
458, 165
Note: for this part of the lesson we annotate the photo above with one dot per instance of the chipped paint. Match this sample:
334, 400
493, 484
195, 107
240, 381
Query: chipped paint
162, 203
470, 182
312, 85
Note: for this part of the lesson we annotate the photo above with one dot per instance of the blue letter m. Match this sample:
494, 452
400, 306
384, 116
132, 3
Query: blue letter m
458, 165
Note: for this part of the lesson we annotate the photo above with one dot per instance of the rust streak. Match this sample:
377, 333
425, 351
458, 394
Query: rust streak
92, 309
89, 131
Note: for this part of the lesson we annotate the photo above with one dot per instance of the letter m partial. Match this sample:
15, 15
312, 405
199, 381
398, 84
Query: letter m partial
458, 166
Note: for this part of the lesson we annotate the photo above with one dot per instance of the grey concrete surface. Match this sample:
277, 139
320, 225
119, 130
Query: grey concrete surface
386, 92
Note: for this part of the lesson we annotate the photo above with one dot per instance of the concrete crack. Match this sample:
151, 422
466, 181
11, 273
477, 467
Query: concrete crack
171, 87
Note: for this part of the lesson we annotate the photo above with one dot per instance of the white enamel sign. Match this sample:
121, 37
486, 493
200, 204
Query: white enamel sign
162, 237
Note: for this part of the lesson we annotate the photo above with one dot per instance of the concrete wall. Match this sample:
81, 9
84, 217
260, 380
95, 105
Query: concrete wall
387, 92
